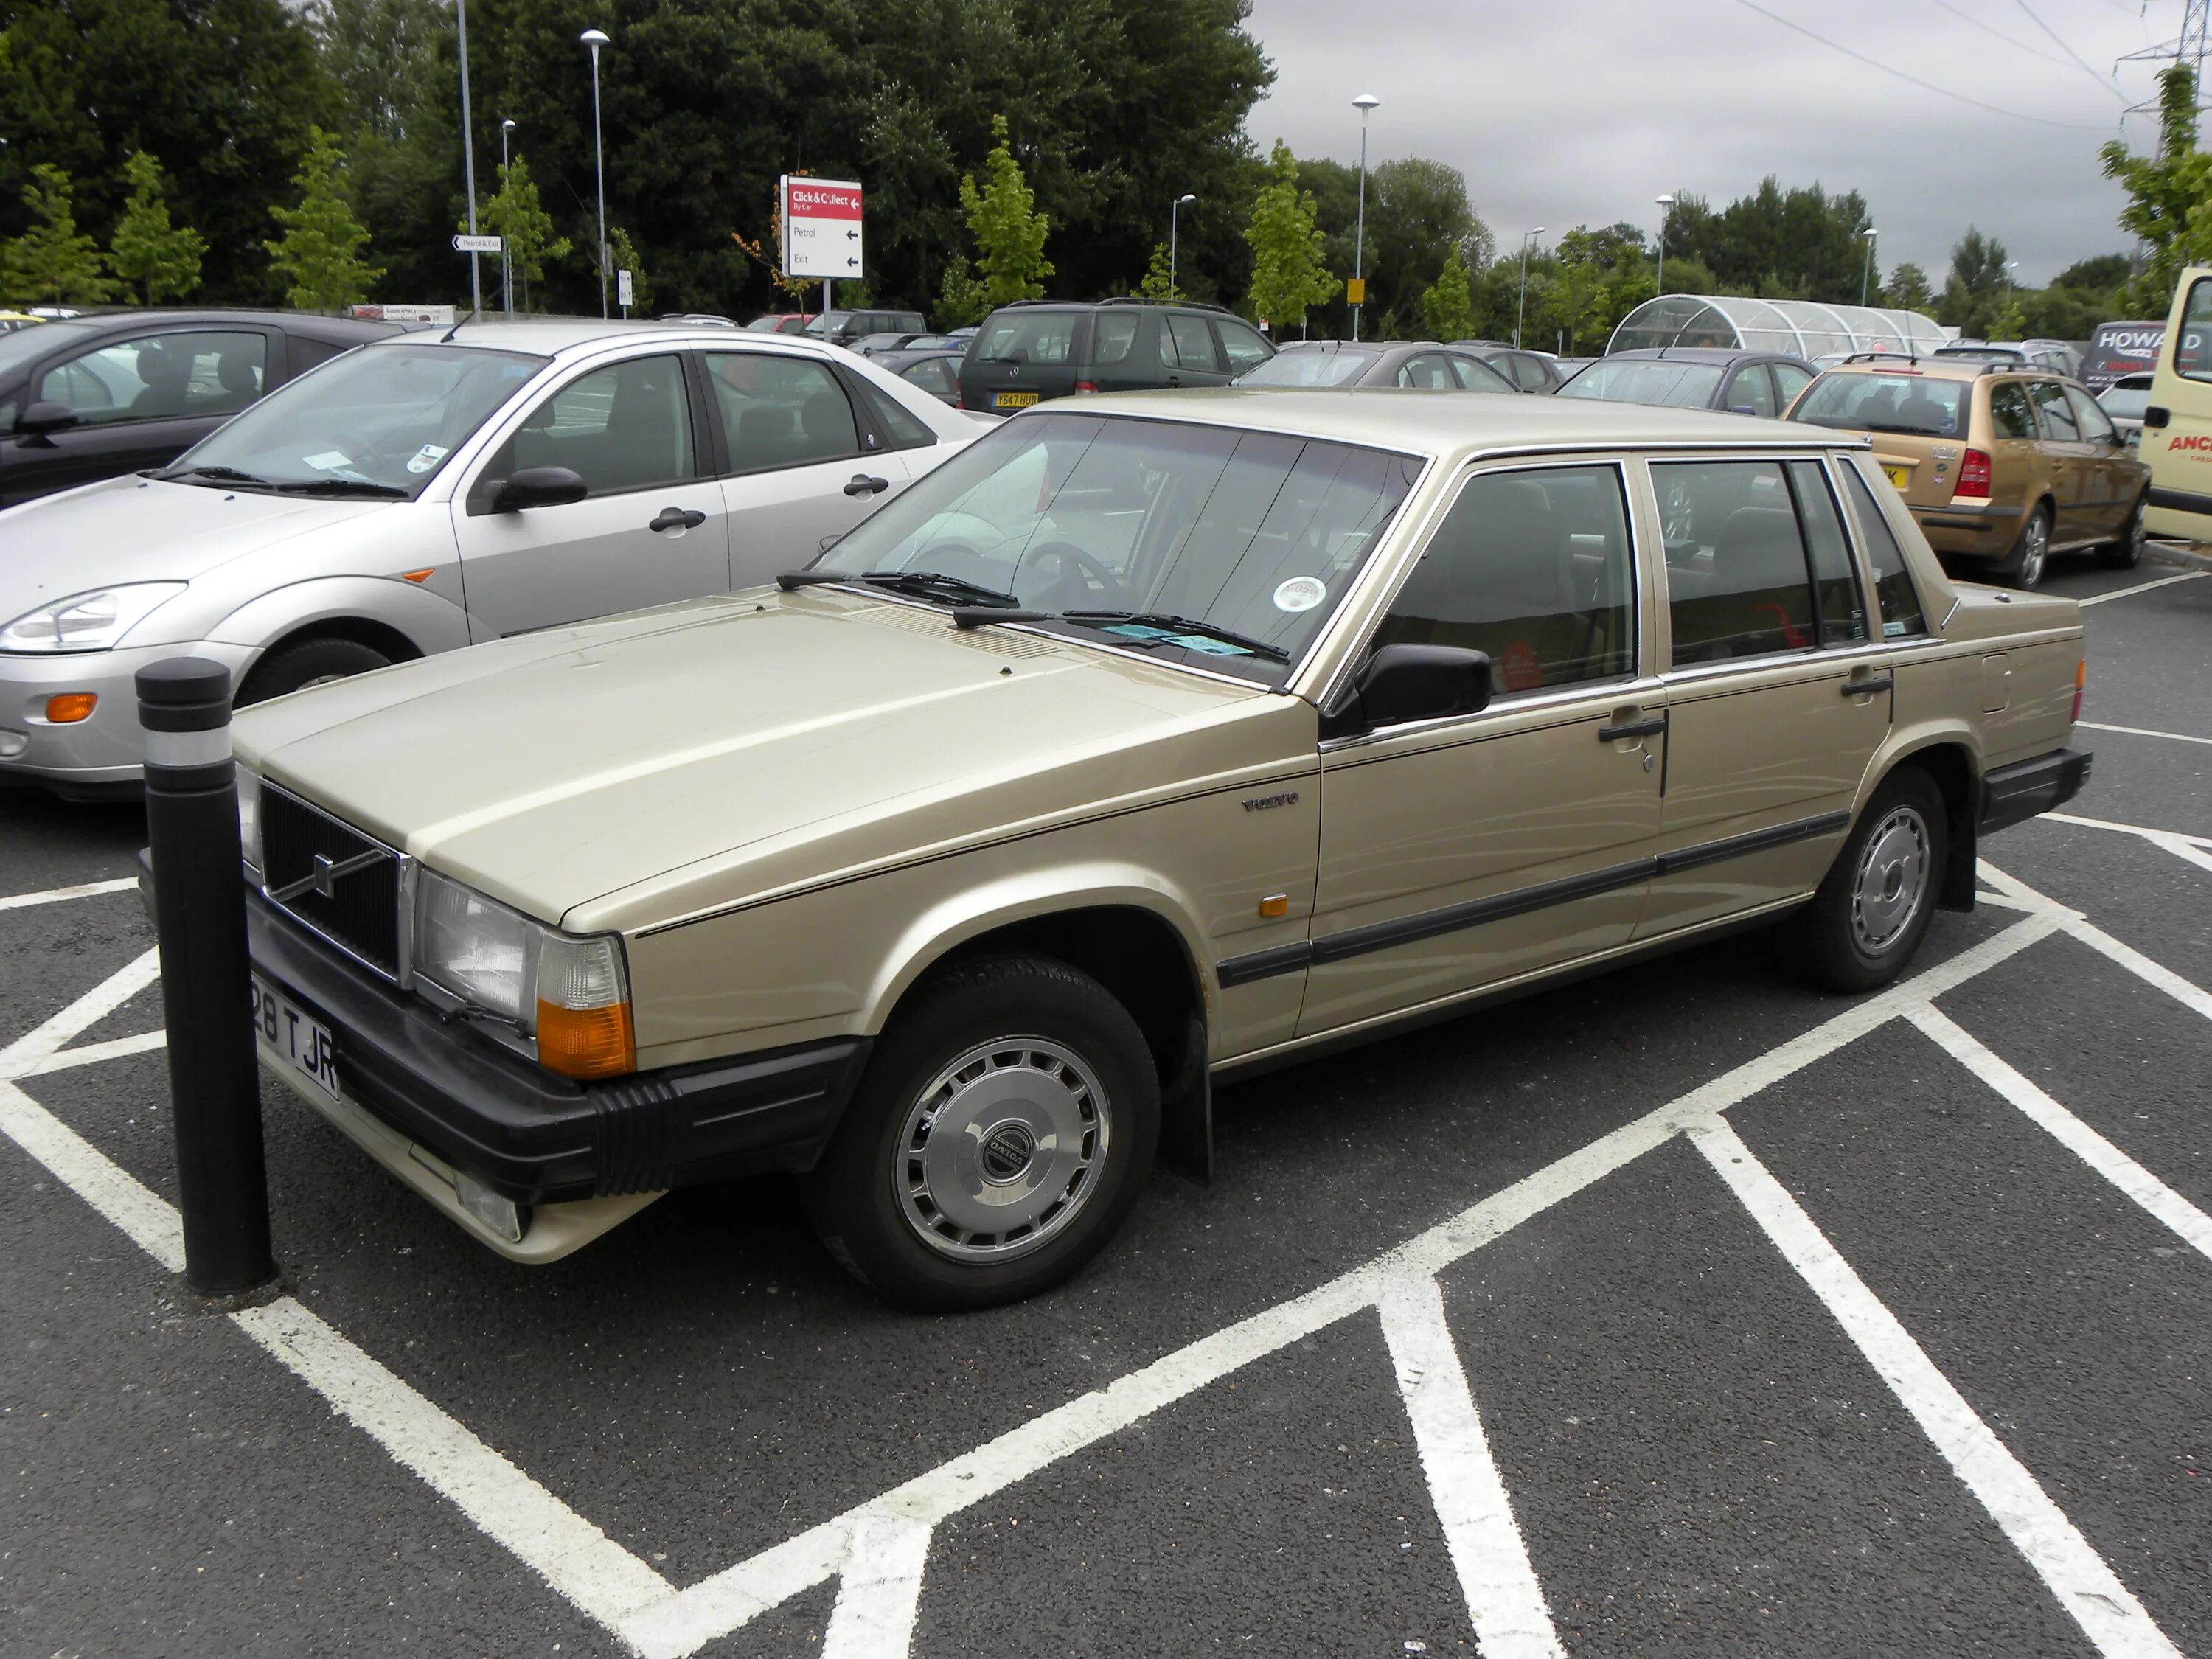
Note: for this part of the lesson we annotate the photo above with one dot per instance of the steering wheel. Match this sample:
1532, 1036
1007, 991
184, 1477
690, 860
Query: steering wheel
1081, 582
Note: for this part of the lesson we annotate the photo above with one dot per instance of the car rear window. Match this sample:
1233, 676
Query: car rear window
1297, 367
1027, 336
1902, 402
1639, 381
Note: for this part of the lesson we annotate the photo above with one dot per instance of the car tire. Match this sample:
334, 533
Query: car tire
1874, 905
2127, 552
1011, 1089
2024, 566
307, 662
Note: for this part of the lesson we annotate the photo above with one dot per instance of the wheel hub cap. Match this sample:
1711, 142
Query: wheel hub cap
1002, 1150
1892, 880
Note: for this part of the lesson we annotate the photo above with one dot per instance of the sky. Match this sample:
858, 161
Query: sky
1562, 112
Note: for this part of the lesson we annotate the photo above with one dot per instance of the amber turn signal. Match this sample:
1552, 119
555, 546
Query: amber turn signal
1275, 904
71, 707
586, 1042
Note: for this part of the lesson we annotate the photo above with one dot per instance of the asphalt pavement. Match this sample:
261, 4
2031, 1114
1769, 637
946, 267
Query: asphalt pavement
1680, 1311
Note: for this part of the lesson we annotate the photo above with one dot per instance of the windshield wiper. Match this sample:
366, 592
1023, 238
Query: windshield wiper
1181, 625
223, 474
925, 584
341, 487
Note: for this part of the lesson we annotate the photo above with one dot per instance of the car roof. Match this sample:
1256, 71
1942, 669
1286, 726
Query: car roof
551, 336
1952, 367
139, 320
1448, 426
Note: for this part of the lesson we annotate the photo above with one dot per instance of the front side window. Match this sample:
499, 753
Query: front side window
1533, 570
781, 411
2058, 422
1792, 379
2009, 414
1244, 347
1159, 530
1750, 389
159, 377
1738, 583
1901, 616
1901, 401
1475, 375
2192, 352
627, 426
1304, 366
1430, 369
2096, 426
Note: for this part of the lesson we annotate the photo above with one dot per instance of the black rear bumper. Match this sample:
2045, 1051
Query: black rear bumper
536, 1137
2013, 794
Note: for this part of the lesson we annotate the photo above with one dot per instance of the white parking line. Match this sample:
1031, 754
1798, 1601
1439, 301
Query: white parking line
142, 1215
1503, 1599
26, 1052
2140, 731
2176, 1213
2106, 1609
2191, 849
93, 1053
56, 894
2144, 588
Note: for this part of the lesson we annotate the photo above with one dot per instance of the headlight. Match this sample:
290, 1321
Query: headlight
249, 817
572, 995
88, 622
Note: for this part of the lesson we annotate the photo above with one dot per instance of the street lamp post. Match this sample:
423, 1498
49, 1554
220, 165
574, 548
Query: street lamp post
1175, 208
468, 149
1521, 309
1659, 282
595, 39
505, 253
1366, 104
1866, 275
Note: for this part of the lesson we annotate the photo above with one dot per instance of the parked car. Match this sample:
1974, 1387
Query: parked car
704, 319
782, 322
935, 369
849, 328
1152, 740
1529, 371
12, 320
430, 491
2123, 401
91, 397
874, 345
2117, 349
1419, 363
1998, 463
2055, 355
1034, 350
1695, 377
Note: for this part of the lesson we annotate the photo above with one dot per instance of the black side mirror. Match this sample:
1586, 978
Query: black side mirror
539, 486
45, 417
1405, 682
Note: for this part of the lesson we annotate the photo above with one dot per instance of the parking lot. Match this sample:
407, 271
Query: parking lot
1683, 1311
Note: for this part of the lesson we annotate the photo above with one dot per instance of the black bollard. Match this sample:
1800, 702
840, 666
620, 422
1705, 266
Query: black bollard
199, 912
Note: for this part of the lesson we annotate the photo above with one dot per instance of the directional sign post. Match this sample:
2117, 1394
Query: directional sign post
821, 231
475, 244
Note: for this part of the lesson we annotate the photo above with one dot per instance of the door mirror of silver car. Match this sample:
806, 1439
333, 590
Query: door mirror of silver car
1405, 682
43, 417
539, 486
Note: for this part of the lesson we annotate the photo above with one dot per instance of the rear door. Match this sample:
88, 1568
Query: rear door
1188, 353
2112, 472
652, 529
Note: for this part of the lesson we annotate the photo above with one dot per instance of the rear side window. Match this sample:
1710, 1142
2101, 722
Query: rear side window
780, 411
2096, 426
1187, 343
2009, 415
1901, 616
1112, 334
1737, 581
1028, 337
1842, 617
2057, 419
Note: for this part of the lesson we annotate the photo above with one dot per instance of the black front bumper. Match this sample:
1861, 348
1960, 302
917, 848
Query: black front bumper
2013, 794
536, 1137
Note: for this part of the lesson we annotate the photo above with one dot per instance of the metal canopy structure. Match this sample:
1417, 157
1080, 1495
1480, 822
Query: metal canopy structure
1801, 327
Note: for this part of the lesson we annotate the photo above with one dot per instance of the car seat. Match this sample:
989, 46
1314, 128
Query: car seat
166, 374
1757, 597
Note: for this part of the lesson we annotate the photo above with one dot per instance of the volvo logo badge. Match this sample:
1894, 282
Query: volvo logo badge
1006, 1153
324, 875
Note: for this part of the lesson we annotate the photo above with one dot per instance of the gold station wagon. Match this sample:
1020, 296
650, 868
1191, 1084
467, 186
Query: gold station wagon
1145, 743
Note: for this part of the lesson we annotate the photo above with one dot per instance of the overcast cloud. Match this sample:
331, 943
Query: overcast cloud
1562, 113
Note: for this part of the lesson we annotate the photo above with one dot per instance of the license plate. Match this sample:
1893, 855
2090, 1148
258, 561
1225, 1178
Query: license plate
1013, 399
292, 1040
1899, 476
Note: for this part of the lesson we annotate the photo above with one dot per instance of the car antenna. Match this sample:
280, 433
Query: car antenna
456, 328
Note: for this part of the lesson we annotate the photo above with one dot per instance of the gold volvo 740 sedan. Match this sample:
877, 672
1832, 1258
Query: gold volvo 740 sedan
1146, 742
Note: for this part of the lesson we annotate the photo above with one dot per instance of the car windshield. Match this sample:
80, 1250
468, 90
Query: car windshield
1294, 367
1904, 402
380, 420
20, 345
2124, 402
1641, 380
1183, 529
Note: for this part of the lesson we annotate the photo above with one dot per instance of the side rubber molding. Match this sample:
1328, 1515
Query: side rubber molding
2013, 794
536, 1137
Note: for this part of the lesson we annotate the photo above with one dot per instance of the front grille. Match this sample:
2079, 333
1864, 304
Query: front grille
305, 855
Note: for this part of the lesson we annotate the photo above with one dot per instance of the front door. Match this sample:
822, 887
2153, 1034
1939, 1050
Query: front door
651, 530
1778, 692
2069, 462
2112, 487
1463, 852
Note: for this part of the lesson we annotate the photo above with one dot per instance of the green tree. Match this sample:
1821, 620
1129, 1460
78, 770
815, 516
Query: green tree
319, 255
1800, 242
624, 252
53, 263
1289, 278
160, 261
2103, 273
961, 300
514, 213
1159, 281
1418, 218
1906, 288
1009, 231
1446, 305
1974, 292
2169, 196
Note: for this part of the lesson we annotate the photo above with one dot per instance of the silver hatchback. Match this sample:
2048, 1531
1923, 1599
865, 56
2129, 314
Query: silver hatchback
428, 492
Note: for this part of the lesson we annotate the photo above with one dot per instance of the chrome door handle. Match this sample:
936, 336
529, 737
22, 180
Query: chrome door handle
862, 484
1873, 682
675, 518
1649, 728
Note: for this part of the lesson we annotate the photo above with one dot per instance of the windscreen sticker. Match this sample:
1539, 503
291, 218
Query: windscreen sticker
1145, 633
1300, 593
330, 460
426, 458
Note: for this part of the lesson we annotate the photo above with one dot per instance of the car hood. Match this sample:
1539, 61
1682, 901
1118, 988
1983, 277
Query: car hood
627, 771
131, 530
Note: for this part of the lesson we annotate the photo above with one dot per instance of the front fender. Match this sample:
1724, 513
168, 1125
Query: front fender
433, 621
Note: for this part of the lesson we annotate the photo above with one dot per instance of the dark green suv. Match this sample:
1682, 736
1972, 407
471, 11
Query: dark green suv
1037, 349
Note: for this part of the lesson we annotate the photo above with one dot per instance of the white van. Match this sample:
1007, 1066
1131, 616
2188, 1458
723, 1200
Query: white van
2177, 432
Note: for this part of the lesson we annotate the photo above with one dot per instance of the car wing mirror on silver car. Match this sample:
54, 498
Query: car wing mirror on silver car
1400, 683
539, 486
